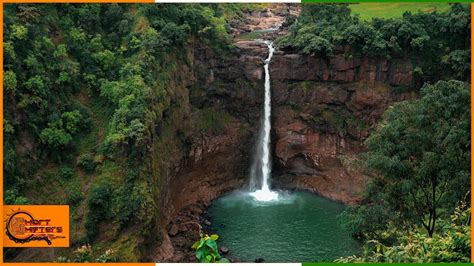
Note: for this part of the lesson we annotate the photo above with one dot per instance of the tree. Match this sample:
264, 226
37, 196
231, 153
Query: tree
59, 132
439, 41
333, 13
55, 136
451, 244
420, 155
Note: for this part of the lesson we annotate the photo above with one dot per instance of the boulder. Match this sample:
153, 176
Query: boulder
224, 250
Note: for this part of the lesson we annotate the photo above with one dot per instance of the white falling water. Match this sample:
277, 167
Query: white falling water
263, 193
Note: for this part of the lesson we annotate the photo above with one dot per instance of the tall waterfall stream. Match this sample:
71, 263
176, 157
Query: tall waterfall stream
261, 169
275, 225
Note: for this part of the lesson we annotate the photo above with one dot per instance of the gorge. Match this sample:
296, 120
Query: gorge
274, 225
313, 150
159, 123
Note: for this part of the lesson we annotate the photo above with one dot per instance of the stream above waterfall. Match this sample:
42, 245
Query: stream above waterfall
299, 226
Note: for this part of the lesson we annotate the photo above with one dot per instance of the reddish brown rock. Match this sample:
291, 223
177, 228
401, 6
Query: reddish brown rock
173, 230
310, 160
323, 108
323, 111
252, 48
343, 69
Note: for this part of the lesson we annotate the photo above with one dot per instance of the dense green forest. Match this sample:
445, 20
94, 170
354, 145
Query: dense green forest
418, 197
85, 93
418, 155
439, 42
88, 93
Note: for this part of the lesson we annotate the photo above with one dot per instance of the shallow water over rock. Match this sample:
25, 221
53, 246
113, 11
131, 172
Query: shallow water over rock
298, 227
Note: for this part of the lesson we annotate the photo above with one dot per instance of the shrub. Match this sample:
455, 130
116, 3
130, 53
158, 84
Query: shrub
452, 243
73, 193
108, 256
206, 249
99, 208
83, 254
12, 198
66, 172
87, 162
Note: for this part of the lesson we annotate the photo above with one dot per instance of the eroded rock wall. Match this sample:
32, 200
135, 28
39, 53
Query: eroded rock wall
323, 109
207, 163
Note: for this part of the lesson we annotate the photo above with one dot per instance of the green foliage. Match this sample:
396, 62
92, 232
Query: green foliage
128, 201
418, 157
367, 222
60, 62
60, 130
206, 249
212, 122
131, 96
55, 136
85, 254
98, 203
87, 162
452, 243
19, 32
73, 192
459, 61
318, 29
66, 172
9, 81
12, 197
440, 40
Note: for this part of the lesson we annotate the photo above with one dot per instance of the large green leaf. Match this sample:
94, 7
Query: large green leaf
212, 245
196, 245
201, 254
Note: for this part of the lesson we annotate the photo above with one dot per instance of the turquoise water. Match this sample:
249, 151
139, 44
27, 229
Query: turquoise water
299, 227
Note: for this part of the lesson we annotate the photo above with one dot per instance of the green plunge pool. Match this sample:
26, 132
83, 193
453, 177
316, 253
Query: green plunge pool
298, 227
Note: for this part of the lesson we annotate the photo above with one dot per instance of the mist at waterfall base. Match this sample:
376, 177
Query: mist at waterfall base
278, 226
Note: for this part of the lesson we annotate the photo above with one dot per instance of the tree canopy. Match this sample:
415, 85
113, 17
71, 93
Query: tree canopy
440, 41
418, 159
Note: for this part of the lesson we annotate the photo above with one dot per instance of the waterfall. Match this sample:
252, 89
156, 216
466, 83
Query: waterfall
261, 169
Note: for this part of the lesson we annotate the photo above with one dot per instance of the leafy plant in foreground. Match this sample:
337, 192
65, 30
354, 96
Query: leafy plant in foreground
206, 249
452, 243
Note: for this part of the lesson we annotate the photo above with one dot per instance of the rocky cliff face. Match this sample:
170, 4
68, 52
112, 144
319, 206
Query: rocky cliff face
220, 99
323, 109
